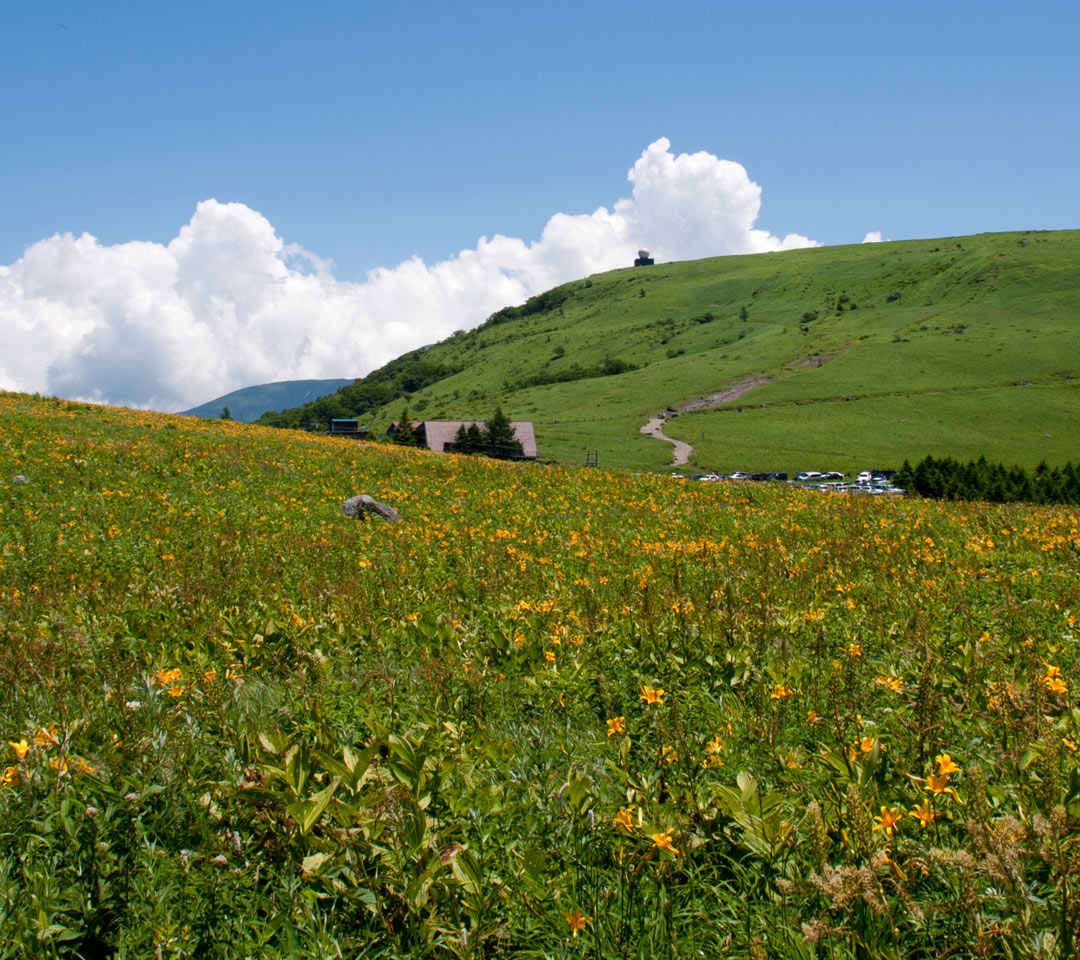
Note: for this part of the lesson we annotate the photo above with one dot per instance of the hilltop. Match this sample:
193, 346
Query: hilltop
829, 358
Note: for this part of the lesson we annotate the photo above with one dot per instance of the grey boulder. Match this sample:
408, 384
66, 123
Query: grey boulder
362, 505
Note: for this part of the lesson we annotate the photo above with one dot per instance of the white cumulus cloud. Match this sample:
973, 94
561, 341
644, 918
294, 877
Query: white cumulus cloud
227, 303
872, 236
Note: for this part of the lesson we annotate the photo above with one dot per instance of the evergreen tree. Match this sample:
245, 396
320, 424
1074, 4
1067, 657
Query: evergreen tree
1070, 482
500, 438
477, 441
461, 440
470, 440
905, 478
405, 436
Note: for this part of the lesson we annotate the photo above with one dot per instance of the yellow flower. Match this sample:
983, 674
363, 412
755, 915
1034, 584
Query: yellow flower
652, 695
938, 784
165, 677
615, 726
11, 774
21, 748
895, 684
1052, 681
945, 765
813, 718
663, 841
46, 737
576, 920
854, 650
923, 814
888, 820
59, 764
667, 755
781, 692
622, 819
715, 745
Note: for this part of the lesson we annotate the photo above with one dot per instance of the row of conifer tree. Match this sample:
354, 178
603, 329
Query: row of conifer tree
949, 479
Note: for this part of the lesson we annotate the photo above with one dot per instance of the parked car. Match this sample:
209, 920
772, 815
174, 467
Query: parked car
779, 475
738, 475
832, 475
808, 475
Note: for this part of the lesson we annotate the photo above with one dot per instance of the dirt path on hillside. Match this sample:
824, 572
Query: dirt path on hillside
655, 428
738, 390
683, 451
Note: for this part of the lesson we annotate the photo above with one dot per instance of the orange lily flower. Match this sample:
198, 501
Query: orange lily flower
576, 920
888, 820
663, 841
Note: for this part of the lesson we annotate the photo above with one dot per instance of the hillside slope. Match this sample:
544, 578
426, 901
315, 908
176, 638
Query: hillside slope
845, 357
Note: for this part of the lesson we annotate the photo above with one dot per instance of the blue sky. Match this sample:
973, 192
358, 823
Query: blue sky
370, 133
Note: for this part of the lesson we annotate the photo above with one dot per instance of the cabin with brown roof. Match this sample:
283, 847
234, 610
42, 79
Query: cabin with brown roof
438, 435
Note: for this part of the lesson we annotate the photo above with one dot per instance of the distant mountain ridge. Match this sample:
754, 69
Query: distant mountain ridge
250, 403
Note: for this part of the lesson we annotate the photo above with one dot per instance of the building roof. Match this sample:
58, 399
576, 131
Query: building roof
439, 433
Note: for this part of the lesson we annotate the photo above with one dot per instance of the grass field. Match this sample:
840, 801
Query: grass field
554, 713
880, 432
927, 324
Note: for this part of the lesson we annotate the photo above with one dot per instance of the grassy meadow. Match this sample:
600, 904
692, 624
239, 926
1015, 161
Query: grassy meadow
873, 353
554, 713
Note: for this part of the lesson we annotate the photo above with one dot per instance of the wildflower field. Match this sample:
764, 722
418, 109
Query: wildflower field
554, 713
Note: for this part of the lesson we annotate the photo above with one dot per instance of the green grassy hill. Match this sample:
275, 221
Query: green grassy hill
865, 355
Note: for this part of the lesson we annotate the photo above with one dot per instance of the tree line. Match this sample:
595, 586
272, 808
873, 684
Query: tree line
949, 479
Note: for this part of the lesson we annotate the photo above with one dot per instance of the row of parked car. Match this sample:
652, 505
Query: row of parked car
869, 481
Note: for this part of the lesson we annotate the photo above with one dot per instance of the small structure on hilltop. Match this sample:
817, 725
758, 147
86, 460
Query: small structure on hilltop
643, 259
440, 435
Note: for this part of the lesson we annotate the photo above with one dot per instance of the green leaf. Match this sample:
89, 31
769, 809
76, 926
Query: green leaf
313, 863
306, 813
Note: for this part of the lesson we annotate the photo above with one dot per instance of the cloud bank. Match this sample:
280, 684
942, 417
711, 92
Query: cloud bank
227, 303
